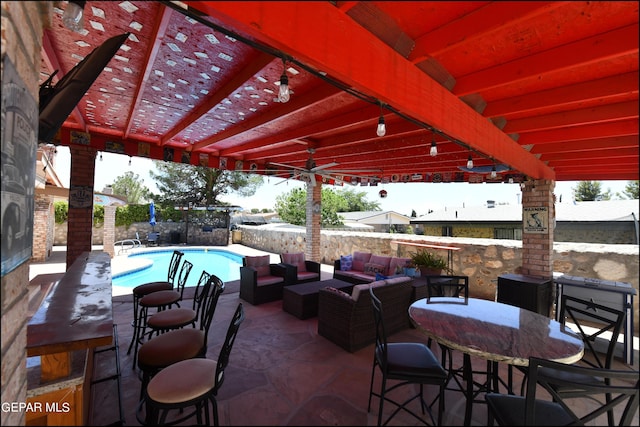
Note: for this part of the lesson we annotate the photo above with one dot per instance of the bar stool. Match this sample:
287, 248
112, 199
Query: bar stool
146, 288
159, 300
176, 318
179, 344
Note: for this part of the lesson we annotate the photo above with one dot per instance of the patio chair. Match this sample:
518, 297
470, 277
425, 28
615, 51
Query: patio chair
179, 317
179, 344
301, 270
160, 300
617, 390
192, 382
407, 362
261, 281
592, 321
146, 288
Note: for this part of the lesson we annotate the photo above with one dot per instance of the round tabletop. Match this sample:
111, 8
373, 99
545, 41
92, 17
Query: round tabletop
496, 331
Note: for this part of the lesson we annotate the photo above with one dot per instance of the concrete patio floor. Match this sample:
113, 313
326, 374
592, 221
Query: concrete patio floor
281, 372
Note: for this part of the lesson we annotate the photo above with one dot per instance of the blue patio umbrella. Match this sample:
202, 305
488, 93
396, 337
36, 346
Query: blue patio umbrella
152, 214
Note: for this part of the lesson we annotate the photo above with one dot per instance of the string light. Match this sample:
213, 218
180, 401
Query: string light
101, 157
434, 148
470, 162
283, 90
129, 160
73, 16
493, 172
382, 128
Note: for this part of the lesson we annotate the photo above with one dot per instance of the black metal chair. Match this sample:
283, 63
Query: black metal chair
618, 390
193, 382
146, 288
180, 344
407, 362
599, 326
179, 317
159, 300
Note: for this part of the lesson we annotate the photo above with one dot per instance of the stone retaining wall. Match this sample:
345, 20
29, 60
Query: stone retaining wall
483, 260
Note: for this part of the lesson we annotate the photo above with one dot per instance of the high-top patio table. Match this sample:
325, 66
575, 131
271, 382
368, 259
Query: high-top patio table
496, 332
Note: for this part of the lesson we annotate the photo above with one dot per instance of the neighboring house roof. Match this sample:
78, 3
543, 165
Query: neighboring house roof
375, 217
606, 210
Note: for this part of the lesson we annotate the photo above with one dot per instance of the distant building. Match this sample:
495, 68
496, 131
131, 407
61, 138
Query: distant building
609, 222
380, 221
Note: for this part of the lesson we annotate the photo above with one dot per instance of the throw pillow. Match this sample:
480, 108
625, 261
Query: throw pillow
371, 268
380, 277
346, 262
296, 259
359, 259
259, 263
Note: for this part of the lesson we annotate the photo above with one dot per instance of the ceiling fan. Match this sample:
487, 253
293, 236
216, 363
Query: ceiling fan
311, 169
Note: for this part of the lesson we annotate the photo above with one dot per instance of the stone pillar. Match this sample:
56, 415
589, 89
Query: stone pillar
43, 228
80, 201
109, 230
538, 222
314, 217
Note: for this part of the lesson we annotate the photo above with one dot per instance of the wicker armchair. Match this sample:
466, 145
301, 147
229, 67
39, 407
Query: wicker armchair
300, 269
347, 320
261, 281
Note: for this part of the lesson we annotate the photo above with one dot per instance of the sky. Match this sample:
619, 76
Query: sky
401, 197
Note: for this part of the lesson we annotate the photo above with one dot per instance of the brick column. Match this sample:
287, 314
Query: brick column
537, 242
80, 201
314, 196
43, 228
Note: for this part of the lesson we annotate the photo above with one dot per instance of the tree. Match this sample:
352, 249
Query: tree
590, 191
131, 186
631, 191
357, 202
182, 184
291, 206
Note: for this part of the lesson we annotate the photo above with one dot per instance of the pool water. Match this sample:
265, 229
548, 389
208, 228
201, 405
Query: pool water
224, 264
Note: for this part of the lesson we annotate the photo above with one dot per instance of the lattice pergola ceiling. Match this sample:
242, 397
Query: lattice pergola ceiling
545, 90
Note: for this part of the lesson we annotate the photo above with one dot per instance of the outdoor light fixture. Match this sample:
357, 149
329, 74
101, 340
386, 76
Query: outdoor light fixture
100, 156
283, 91
493, 172
73, 16
469, 162
434, 148
129, 160
382, 129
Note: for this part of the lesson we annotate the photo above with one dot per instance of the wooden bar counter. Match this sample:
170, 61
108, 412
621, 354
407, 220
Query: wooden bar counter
75, 317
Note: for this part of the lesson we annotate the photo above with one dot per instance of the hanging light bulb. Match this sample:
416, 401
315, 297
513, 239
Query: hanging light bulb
283, 91
100, 156
73, 16
493, 172
129, 160
382, 129
469, 162
434, 148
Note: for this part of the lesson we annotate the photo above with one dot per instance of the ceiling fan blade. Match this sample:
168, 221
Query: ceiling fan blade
294, 176
321, 167
288, 167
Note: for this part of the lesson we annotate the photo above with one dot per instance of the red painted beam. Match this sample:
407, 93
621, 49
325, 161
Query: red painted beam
601, 130
588, 144
317, 38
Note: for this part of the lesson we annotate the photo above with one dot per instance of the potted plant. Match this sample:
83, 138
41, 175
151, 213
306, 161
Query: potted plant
429, 263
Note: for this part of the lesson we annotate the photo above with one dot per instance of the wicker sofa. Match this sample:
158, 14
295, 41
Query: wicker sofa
361, 267
347, 320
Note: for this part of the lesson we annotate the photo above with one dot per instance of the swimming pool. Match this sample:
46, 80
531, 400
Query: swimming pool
153, 267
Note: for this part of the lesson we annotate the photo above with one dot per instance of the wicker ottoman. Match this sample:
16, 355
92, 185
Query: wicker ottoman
302, 300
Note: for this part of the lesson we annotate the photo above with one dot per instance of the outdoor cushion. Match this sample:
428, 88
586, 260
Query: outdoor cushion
396, 265
372, 268
296, 259
340, 292
359, 259
364, 288
383, 261
346, 262
259, 263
